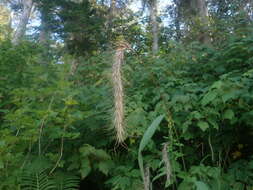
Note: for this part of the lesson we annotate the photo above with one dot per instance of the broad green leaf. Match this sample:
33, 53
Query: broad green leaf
104, 167
227, 95
150, 132
146, 138
203, 125
213, 123
196, 115
201, 186
101, 154
210, 96
228, 114
185, 185
217, 84
85, 168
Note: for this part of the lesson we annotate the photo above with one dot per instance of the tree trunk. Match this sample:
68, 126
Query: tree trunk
110, 21
21, 29
112, 8
202, 8
112, 13
154, 25
178, 20
44, 33
44, 38
202, 12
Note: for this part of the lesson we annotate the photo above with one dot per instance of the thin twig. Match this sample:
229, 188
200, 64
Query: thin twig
61, 152
42, 124
211, 147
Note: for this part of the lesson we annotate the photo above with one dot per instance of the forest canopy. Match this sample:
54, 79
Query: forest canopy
97, 95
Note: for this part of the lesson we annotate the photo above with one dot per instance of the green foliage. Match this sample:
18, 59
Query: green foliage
97, 158
204, 94
200, 97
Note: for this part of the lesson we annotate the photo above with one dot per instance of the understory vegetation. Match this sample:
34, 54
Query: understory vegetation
188, 107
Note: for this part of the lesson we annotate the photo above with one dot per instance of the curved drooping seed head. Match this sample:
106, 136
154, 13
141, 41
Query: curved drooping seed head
118, 92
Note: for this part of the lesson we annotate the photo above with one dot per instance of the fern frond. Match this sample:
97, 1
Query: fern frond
36, 181
66, 182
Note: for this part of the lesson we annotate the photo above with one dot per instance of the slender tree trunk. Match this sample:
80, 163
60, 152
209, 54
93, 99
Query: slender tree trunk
202, 7
113, 8
178, 30
44, 36
44, 33
112, 13
110, 21
21, 29
44, 39
154, 25
202, 12
178, 20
